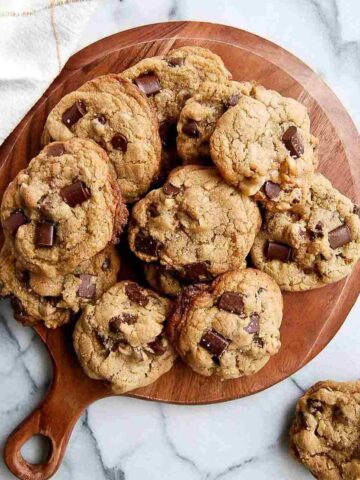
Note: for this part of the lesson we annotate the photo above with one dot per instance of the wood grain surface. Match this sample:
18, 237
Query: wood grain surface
311, 319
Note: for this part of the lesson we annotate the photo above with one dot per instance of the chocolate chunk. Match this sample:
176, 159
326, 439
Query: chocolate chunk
55, 149
115, 322
317, 233
75, 193
146, 244
315, 405
258, 341
175, 61
119, 142
170, 190
197, 272
106, 265
148, 83
152, 210
87, 287
356, 210
233, 100
168, 134
53, 301
339, 236
101, 118
278, 251
254, 324
45, 234
231, 302
16, 219
74, 113
190, 128
214, 343
293, 142
135, 294
271, 189
157, 346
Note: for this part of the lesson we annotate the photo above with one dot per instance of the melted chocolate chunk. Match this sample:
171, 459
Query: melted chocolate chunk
119, 142
16, 219
197, 272
214, 343
315, 406
55, 149
157, 346
272, 190
75, 193
168, 134
101, 118
74, 113
293, 142
278, 251
53, 301
45, 234
233, 100
146, 244
135, 294
254, 324
258, 341
175, 61
148, 83
115, 322
87, 287
190, 128
339, 236
231, 302
317, 233
152, 210
106, 264
170, 190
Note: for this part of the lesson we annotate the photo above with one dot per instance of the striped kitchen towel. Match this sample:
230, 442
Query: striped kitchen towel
36, 39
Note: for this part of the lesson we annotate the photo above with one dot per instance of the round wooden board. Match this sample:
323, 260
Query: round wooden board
311, 319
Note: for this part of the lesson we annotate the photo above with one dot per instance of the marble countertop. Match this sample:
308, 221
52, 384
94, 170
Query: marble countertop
123, 438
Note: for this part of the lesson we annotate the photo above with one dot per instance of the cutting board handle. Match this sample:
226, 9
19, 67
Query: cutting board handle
55, 419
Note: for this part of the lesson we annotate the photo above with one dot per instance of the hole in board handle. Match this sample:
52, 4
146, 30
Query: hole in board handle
37, 450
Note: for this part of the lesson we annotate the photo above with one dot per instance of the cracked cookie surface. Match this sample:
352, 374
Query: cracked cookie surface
195, 224
325, 433
63, 209
36, 298
200, 114
168, 81
112, 111
230, 328
266, 138
310, 250
121, 338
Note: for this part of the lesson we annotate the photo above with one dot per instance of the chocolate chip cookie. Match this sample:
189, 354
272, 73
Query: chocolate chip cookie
229, 328
168, 81
121, 338
63, 208
115, 114
325, 434
200, 114
195, 224
310, 250
36, 298
266, 138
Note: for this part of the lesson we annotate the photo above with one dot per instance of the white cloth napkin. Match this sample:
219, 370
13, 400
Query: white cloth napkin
36, 39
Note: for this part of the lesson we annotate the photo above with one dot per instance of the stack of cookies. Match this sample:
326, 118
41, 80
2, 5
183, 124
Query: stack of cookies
219, 176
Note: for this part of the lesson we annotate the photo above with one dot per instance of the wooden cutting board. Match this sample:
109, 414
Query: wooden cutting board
311, 319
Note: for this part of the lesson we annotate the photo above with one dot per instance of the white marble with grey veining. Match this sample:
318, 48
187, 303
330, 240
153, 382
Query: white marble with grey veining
122, 438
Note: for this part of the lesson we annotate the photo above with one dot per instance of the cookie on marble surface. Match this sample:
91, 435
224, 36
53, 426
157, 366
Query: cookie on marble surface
112, 111
36, 298
168, 81
266, 138
121, 338
325, 433
64, 208
230, 328
196, 224
310, 250
200, 114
